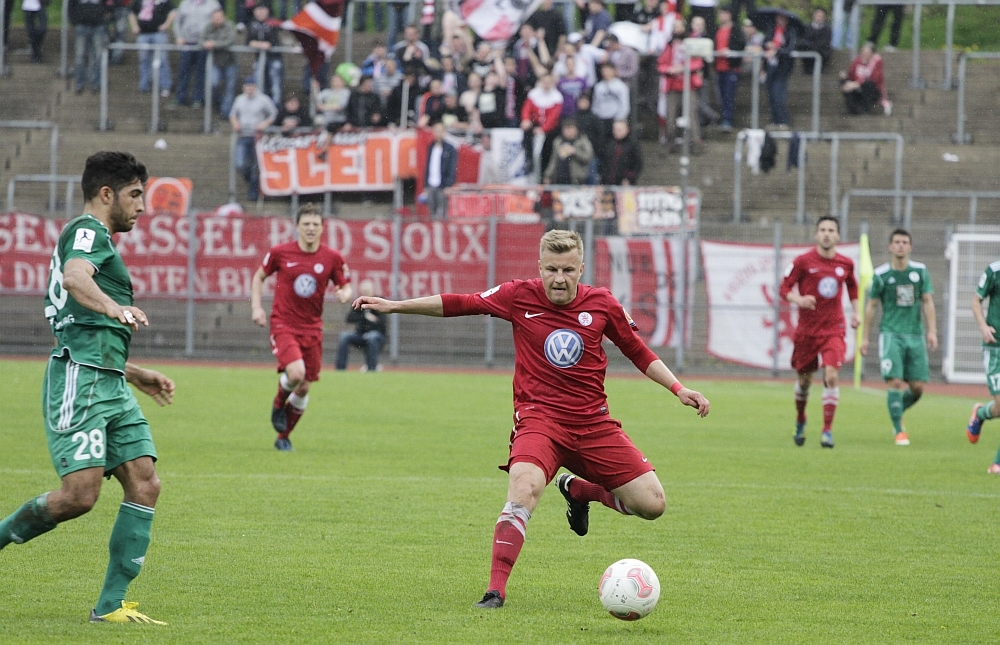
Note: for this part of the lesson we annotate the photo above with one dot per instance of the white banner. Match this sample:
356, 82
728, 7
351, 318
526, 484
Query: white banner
497, 19
741, 290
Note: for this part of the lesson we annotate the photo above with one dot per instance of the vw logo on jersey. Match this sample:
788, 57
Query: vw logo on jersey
305, 285
564, 348
318, 268
828, 287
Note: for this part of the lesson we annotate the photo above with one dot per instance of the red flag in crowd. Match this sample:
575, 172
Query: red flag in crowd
317, 26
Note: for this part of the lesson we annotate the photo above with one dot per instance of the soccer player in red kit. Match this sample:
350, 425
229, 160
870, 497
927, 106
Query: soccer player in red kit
304, 268
561, 415
819, 275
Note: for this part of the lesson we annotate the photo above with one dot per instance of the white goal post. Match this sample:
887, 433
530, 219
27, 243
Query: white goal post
968, 255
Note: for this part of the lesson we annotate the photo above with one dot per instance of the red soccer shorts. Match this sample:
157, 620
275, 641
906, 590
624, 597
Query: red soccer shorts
288, 348
809, 350
600, 452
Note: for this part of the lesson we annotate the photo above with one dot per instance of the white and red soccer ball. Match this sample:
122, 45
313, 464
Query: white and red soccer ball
629, 589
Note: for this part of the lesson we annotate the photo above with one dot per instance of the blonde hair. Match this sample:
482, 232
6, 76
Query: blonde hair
558, 242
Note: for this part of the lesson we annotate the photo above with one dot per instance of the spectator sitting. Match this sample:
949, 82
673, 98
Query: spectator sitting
610, 100
597, 22
395, 111
368, 334
411, 50
540, 116
193, 16
571, 87
263, 34
622, 161
490, 103
374, 64
727, 68
670, 64
624, 58
332, 103
573, 153
454, 116
431, 105
150, 21
364, 109
442, 164
252, 112
778, 47
292, 114
592, 128
863, 84
218, 37
390, 78
816, 38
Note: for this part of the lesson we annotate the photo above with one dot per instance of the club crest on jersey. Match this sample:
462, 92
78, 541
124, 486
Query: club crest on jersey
839, 271
318, 268
564, 348
914, 276
585, 318
305, 285
828, 287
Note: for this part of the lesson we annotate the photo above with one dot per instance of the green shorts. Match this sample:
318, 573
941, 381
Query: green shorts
91, 418
991, 360
903, 356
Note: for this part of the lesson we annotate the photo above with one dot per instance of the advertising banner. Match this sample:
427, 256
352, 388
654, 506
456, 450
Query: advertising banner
655, 210
741, 293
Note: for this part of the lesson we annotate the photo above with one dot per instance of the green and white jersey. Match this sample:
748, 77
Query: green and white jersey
89, 337
901, 294
989, 287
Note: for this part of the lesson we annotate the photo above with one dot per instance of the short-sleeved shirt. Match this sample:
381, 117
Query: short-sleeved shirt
89, 337
901, 294
151, 14
823, 278
989, 287
559, 362
301, 286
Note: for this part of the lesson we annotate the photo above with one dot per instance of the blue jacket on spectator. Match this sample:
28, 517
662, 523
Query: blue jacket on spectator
449, 164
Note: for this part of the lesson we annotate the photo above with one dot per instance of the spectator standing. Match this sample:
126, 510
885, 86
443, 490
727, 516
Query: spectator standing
622, 161
374, 64
395, 110
524, 49
292, 114
483, 62
647, 13
218, 37
398, 14
150, 21
540, 116
451, 79
515, 92
881, 11
572, 156
193, 17
550, 24
388, 80
817, 38
624, 58
369, 333
469, 99
706, 10
361, 16
90, 36
597, 22
669, 107
571, 87
490, 103
332, 103
364, 109
610, 100
454, 116
411, 50
431, 105
592, 128
863, 84
263, 34
779, 44
251, 113
442, 164
706, 114
751, 6
36, 24
728, 38
120, 27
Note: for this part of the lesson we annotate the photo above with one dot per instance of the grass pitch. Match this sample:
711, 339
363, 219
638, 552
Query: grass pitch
377, 529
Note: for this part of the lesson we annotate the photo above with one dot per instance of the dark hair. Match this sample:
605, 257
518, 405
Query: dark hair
308, 209
901, 231
728, 8
568, 122
828, 218
113, 169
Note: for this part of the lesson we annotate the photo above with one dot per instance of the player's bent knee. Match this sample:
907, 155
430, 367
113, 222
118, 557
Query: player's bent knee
653, 506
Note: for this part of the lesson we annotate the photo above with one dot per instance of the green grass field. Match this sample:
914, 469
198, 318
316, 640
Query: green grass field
377, 529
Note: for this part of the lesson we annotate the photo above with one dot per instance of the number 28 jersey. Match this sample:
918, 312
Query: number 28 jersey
559, 362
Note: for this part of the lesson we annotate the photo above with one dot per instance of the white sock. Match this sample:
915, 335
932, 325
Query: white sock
298, 402
831, 395
285, 384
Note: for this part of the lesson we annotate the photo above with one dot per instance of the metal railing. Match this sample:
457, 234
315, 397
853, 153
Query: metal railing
4, 68
47, 179
909, 195
53, 143
154, 121
834, 138
961, 137
916, 81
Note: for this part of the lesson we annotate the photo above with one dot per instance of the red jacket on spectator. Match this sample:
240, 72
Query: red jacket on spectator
543, 108
874, 71
673, 54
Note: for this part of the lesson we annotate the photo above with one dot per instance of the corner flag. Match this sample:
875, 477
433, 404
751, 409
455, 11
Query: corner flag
866, 272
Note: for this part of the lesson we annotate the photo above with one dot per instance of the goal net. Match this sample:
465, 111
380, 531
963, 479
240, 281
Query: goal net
970, 250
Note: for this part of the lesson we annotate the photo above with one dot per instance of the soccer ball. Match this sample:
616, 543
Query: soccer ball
629, 589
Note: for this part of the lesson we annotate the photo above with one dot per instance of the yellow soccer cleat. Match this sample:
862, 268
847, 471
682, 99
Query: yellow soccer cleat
127, 614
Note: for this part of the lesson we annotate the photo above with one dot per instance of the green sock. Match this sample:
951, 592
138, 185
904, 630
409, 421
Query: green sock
909, 398
996, 459
985, 411
129, 541
28, 522
895, 401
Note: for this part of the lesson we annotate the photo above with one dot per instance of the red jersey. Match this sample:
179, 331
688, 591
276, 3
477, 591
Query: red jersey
302, 280
823, 278
559, 363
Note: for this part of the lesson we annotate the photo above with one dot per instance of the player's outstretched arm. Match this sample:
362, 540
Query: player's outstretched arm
660, 373
151, 382
426, 306
257, 313
78, 281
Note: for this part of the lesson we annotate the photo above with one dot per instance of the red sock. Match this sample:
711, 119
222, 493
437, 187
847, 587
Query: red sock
281, 397
801, 398
583, 491
292, 414
508, 538
831, 397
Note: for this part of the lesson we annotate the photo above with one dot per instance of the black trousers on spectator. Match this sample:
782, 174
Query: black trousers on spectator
737, 5
881, 11
708, 13
864, 99
546, 153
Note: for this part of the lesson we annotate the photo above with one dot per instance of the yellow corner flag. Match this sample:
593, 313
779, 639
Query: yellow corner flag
866, 271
